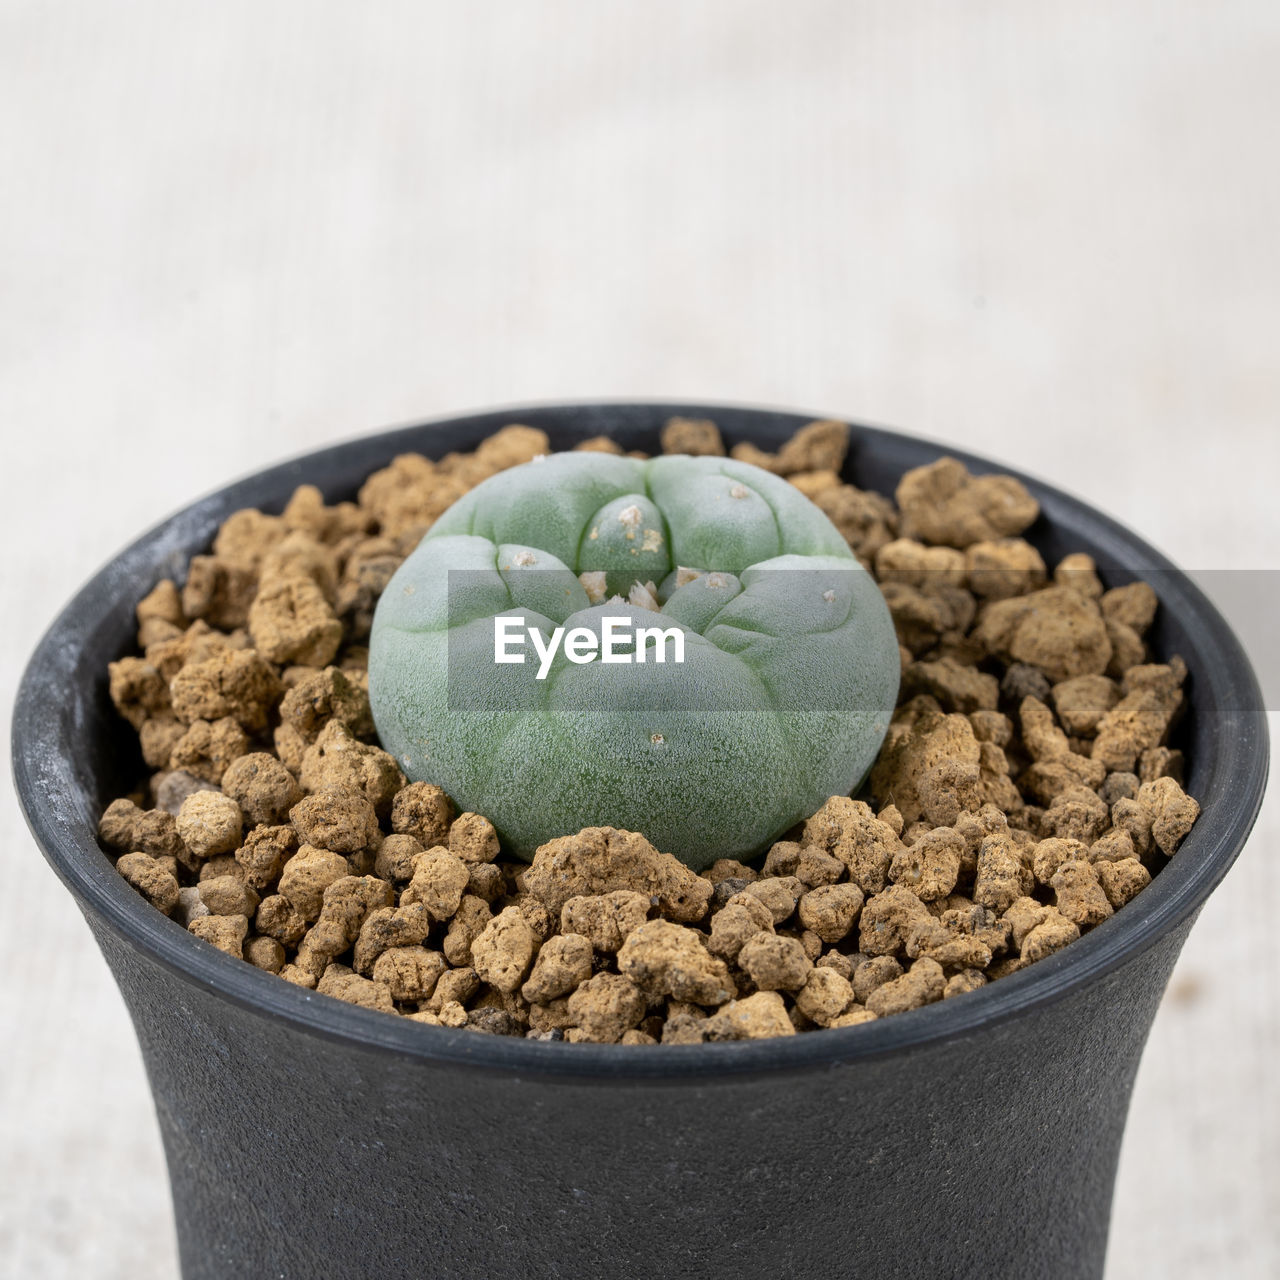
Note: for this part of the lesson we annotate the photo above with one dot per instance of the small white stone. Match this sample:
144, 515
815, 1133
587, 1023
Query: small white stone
190, 905
739, 491
829, 596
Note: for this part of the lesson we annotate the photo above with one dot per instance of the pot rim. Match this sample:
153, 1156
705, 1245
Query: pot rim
1231, 790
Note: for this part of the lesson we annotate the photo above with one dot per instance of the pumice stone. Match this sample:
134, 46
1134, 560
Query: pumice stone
683, 647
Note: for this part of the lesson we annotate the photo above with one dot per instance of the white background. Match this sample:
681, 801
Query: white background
231, 232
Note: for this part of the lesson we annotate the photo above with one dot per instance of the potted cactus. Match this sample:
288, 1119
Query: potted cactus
313, 1136
776, 694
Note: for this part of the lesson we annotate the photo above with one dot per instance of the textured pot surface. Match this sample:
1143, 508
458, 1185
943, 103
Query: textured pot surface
985, 1154
306, 1137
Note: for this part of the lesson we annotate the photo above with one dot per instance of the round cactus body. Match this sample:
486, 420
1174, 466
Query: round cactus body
689, 650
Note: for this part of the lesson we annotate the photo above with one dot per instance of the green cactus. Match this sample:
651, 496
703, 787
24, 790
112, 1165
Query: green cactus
789, 676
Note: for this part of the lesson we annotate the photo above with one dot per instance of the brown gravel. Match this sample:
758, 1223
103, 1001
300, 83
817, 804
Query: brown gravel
1025, 792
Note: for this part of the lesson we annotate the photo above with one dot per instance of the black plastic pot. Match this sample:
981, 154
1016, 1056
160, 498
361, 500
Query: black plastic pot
310, 1138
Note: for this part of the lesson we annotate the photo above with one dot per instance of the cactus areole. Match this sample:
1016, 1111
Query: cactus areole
684, 647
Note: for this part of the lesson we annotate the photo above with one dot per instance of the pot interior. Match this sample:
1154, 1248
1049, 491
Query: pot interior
73, 754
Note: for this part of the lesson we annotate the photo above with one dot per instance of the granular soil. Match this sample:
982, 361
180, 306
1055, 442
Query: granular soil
1024, 793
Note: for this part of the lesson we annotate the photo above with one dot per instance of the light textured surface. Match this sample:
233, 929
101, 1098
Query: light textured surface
230, 232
